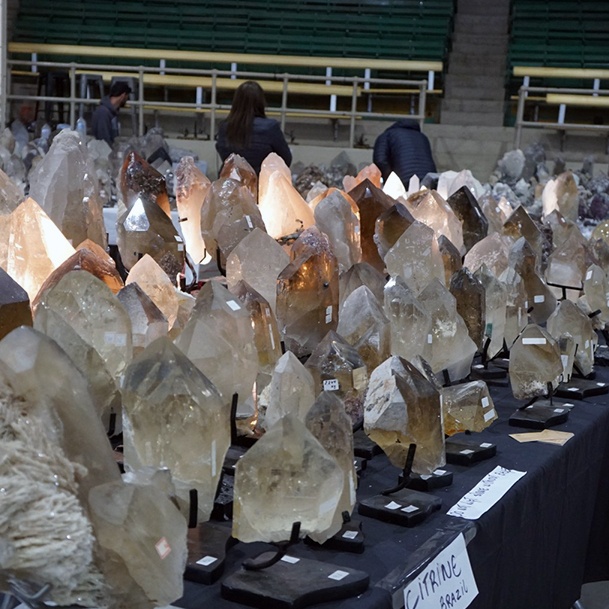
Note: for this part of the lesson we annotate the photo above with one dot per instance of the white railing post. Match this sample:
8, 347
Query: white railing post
284, 101
72, 95
3, 64
353, 112
212, 118
522, 93
140, 127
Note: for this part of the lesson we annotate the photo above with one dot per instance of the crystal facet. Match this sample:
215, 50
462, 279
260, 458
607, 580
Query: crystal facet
467, 407
14, 305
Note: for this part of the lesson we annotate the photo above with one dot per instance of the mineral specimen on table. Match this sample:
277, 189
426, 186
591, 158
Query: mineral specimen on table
140, 181
428, 207
237, 168
410, 322
369, 172
327, 421
371, 202
363, 325
394, 187
266, 333
452, 350
335, 218
143, 543
496, 212
291, 391
10, 195
147, 321
568, 318
467, 210
14, 305
173, 417
336, 366
154, 282
467, 407
65, 186
307, 293
361, 274
415, 257
567, 266
186, 303
534, 363
257, 259
596, 289
273, 163
493, 251
403, 407
451, 258
495, 298
562, 228
567, 347
520, 224
390, 226
470, 297
33, 246
517, 305
561, 194
452, 181
191, 187
601, 231
286, 477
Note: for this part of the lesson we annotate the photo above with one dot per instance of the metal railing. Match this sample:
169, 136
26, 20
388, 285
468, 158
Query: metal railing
359, 86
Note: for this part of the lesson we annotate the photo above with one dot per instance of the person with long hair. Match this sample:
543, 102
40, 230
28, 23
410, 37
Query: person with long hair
248, 132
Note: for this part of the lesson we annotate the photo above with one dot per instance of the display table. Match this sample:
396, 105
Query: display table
533, 550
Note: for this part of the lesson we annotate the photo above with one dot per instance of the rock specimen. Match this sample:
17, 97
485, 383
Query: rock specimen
493, 251
596, 289
237, 168
286, 477
469, 294
451, 258
403, 407
496, 211
390, 225
10, 195
467, 407
358, 275
567, 265
14, 305
467, 210
370, 172
272, 164
140, 180
520, 224
495, 299
561, 194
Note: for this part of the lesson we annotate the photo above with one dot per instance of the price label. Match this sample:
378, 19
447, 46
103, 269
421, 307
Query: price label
329, 314
163, 549
393, 505
466, 451
534, 341
485, 445
207, 560
331, 385
489, 415
249, 222
338, 575
233, 305
410, 508
539, 298
290, 559
350, 534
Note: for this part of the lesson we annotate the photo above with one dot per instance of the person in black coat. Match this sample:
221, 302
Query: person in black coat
403, 149
248, 132
104, 122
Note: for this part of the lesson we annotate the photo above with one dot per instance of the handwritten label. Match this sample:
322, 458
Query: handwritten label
207, 560
486, 493
331, 385
447, 581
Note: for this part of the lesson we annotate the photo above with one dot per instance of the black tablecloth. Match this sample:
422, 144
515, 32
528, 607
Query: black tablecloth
532, 550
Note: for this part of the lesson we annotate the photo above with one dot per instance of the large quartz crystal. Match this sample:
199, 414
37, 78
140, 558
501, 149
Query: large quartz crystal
10, 195
14, 305
369, 172
471, 304
336, 366
517, 304
451, 258
307, 293
467, 210
596, 289
415, 257
335, 218
272, 164
403, 407
140, 180
495, 299
561, 194
286, 477
328, 422
493, 251
257, 260
358, 275
64, 184
467, 407
496, 211
567, 266
389, 227
363, 325
191, 187
520, 224
535, 363
237, 168
173, 417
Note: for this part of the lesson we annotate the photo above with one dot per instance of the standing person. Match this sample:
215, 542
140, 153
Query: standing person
248, 132
104, 123
403, 149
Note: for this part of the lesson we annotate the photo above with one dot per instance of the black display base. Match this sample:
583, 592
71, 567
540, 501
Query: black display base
233, 454
438, 479
207, 547
406, 507
363, 446
349, 539
223, 504
578, 389
293, 583
489, 373
467, 452
360, 465
540, 415
601, 356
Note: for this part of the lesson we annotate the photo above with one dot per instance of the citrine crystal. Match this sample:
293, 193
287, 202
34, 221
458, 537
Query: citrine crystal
467, 407
469, 294
14, 305
467, 210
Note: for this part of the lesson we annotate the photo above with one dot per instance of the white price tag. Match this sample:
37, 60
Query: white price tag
329, 314
233, 305
589, 274
290, 559
485, 445
485, 402
207, 560
350, 534
338, 575
539, 298
163, 549
429, 339
439, 472
409, 509
572, 389
559, 410
466, 451
534, 341
489, 415
393, 506
331, 385
249, 222
601, 384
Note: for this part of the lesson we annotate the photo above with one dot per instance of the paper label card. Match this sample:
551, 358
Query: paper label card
446, 583
290, 559
163, 549
233, 305
331, 385
207, 560
350, 534
338, 575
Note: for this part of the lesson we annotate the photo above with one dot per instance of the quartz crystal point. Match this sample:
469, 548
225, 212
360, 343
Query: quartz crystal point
534, 362
286, 477
10, 195
416, 258
173, 417
520, 224
191, 187
307, 293
567, 347
358, 275
154, 282
469, 294
569, 318
403, 407
33, 248
147, 321
335, 218
257, 259
291, 391
451, 258
596, 289
141, 181
561, 194
328, 422
337, 367
493, 251
516, 315
65, 185
186, 303
371, 202
467, 407
431, 209
143, 540
496, 212
410, 322
272, 164
14, 305
451, 349
567, 266
237, 168
495, 298
370, 172
394, 187
363, 324
467, 210
562, 228
390, 226
450, 182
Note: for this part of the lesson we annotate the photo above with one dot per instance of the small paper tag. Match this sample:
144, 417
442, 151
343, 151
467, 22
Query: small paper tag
329, 314
249, 222
439, 472
559, 410
573, 389
331, 385
409, 509
213, 458
586, 344
533, 341
429, 339
350, 534
489, 415
589, 274
466, 451
601, 384
485, 402
485, 445
338, 575
290, 559
425, 476
539, 298
565, 361
163, 549
478, 366
233, 305
207, 560
393, 506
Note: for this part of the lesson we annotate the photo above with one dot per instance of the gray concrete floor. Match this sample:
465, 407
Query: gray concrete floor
595, 596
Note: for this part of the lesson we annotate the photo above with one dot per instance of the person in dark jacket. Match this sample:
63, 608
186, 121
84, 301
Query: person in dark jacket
104, 123
403, 149
248, 132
